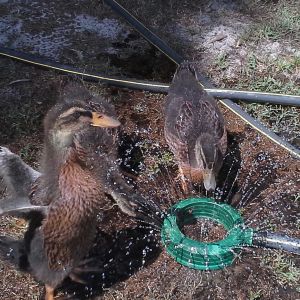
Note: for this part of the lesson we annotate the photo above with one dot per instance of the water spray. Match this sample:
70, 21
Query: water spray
218, 254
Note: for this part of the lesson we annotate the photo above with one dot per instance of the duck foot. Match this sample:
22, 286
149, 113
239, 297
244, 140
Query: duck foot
49, 292
183, 181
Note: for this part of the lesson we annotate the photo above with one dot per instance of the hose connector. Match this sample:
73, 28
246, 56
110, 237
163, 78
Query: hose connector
276, 241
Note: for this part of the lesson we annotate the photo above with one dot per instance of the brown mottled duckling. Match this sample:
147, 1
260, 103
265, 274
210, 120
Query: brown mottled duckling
194, 129
68, 186
78, 170
96, 147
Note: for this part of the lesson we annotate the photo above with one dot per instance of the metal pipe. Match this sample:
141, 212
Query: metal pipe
255, 97
276, 241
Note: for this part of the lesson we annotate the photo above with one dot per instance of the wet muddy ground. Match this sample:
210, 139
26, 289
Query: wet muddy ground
258, 177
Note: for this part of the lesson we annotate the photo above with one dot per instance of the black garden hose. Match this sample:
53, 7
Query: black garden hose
155, 87
145, 32
164, 48
50, 64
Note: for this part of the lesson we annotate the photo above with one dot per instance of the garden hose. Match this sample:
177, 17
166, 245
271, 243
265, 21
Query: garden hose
50, 64
155, 87
257, 97
200, 255
221, 253
145, 32
276, 241
169, 52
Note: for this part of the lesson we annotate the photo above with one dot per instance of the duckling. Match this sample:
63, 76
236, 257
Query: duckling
194, 129
78, 170
96, 147
73, 194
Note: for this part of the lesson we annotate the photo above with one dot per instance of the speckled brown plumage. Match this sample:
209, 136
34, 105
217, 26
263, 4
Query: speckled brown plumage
68, 229
71, 185
194, 127
79, 167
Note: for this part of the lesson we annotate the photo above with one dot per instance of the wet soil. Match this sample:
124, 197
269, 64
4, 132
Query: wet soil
258, 177
204, 230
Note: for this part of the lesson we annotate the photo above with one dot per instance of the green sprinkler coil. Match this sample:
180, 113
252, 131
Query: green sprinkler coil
200, 255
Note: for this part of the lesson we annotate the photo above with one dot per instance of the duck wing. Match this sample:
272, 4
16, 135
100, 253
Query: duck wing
210, 117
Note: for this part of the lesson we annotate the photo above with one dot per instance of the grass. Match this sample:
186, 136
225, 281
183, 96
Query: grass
282, 22
283, 121
222, 62
270, 225
297, 198
271, 75
163, 159
277, 76
255, 295
288, 65
284, 269
29, 153
270, 84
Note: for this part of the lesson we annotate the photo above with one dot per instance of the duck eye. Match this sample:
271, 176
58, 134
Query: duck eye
86, 113
211, 165
76, 114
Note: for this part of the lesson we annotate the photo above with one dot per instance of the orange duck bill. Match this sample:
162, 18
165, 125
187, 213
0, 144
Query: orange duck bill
102, 120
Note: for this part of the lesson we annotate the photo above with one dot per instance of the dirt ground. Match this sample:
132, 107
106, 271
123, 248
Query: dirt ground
244, 44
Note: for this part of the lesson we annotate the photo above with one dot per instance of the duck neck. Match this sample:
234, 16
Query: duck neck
61, 139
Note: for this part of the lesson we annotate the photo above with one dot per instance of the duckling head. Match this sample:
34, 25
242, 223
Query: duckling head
67, 120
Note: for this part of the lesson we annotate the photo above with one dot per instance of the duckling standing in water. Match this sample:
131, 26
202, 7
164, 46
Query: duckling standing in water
78, 170
194, 129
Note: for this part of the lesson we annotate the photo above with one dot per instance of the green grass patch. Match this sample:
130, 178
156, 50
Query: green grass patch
275, 76
282, 22
156, 157
255, 295
285, 270
222, 62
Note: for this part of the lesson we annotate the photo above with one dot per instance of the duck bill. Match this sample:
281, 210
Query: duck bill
209, 179
102, 120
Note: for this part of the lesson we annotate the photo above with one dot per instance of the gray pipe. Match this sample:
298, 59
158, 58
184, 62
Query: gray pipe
276, 241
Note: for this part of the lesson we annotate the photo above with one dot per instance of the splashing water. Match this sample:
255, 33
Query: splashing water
161, 187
